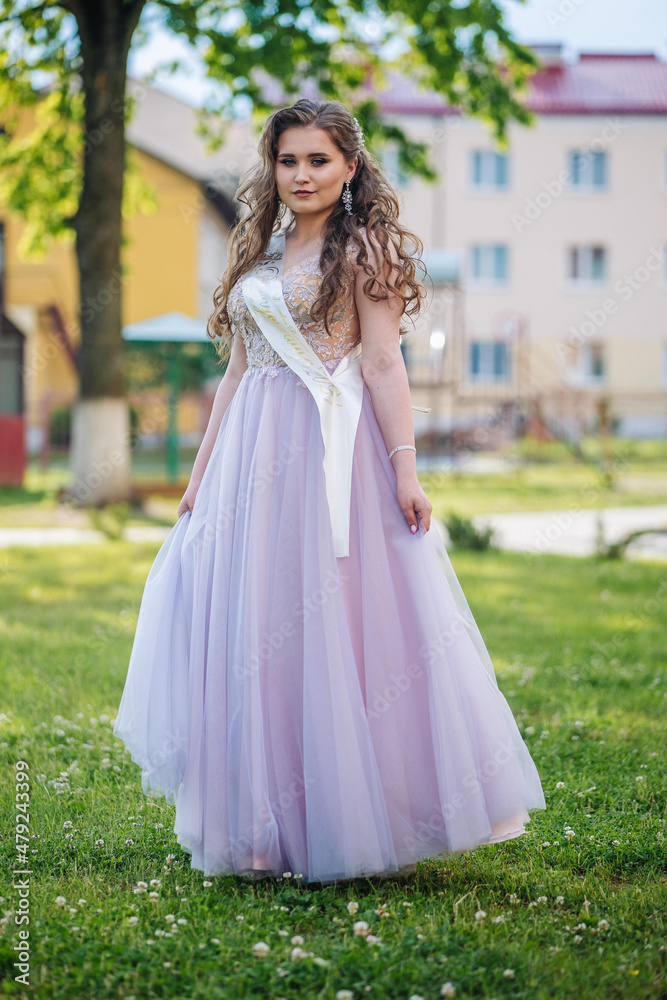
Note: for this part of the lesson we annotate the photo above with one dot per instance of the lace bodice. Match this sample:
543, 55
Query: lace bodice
300, 286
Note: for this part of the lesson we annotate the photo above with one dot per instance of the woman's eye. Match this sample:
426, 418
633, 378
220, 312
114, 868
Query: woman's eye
289, 163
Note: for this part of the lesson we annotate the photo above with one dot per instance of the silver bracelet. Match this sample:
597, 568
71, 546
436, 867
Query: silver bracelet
399, 447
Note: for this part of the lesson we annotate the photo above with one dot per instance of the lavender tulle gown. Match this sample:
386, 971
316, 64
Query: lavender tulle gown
326, 717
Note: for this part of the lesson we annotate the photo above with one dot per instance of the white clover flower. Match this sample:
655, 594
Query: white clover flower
570, 834
297, 953
79, 902
603, 925
260, 949
448, 990
344, 995
560, 899
541, 899
153, 895
287, 874
497, 920
297, 939
577, 938
508, 973
241, 917
529, 730
159, 932
181, 921
60, 900
283, 933
67, 825
352, 906
560, 784
547, 843
133, 920
129, 840
480, 914
360, 928
206, 885
372, 939
170, 918
155, 882
167, 965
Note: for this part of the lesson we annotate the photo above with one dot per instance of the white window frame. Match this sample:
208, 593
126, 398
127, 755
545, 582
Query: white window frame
585, 254
486, 353
489, 160
586, 181
487, 257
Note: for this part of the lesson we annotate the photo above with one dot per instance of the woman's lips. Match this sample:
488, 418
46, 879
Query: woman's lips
303, 194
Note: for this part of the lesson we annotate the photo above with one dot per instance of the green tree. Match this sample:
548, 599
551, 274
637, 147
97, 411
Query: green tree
71, 176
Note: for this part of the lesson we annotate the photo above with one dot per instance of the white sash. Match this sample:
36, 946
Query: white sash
338, 397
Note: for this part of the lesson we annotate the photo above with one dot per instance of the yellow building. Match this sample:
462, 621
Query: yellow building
173, 261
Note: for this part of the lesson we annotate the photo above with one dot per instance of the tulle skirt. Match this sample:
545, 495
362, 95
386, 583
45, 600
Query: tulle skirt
326, 717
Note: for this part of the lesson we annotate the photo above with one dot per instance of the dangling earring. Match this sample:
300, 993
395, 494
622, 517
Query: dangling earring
281, 207
347, 197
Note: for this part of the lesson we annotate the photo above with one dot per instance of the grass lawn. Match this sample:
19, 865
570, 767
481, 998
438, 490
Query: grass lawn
576, 908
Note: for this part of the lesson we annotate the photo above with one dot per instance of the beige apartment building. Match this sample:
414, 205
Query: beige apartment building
548, 258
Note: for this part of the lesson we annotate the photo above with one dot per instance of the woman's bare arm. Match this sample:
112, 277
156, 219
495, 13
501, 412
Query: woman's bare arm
238, 362
384, 372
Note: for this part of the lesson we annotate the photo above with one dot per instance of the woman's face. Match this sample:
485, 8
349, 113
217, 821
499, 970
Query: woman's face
310, 170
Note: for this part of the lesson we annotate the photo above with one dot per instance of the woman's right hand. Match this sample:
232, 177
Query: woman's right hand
187, 503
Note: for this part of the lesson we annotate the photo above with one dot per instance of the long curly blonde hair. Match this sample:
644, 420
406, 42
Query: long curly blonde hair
375, 207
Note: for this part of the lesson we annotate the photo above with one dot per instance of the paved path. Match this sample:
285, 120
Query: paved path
573, 532
560, 531
75, 536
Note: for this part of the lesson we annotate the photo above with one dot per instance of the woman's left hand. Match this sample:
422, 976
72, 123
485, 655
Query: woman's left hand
414, 502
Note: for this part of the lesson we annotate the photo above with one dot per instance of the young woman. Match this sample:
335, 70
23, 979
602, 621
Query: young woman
307, 683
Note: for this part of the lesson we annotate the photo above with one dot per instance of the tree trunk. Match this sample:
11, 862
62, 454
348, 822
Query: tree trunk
100, 454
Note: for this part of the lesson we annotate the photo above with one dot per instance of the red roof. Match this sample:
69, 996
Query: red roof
599, 83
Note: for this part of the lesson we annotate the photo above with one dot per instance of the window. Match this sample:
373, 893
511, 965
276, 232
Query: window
592, 362
489, 360
488, 169
587, 264
489, 263
588, 170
